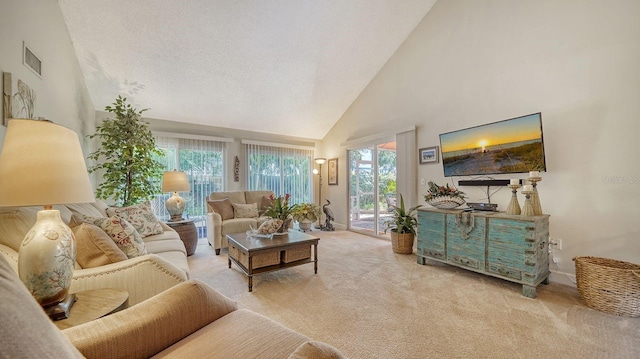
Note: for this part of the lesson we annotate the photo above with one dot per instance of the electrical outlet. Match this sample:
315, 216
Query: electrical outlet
423, 181
555, 243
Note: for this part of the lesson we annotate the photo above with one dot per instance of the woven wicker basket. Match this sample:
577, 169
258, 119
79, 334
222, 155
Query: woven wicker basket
446, 202
609, 285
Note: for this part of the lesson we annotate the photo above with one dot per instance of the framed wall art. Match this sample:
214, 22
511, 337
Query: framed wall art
333, 171
428, 155
6, 98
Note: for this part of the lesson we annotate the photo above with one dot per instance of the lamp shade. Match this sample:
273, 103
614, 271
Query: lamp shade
175, 181
320, 161
41, 163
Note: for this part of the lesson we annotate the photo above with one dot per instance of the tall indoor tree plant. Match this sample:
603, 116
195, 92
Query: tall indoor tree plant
130, 173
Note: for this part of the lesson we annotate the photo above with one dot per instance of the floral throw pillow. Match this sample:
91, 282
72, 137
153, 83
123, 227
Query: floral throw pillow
241, 210
121, 231
140, 216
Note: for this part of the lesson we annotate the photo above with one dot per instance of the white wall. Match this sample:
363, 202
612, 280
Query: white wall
62, 96
471, 62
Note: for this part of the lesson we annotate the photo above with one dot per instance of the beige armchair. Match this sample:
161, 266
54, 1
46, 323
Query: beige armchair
220, 222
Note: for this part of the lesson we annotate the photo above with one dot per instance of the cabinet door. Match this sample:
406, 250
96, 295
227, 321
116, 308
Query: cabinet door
431, 229
513, 249
466, 240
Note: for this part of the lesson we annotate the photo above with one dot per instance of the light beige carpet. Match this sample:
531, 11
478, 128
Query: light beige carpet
371, 303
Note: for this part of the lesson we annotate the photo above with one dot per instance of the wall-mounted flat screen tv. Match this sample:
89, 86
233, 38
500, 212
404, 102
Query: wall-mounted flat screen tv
511, 146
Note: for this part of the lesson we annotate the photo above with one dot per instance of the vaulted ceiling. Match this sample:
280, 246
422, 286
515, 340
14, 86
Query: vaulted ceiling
291, 67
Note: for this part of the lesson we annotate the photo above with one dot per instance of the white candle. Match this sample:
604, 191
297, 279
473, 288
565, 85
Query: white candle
534, 174
514, 181
527, 188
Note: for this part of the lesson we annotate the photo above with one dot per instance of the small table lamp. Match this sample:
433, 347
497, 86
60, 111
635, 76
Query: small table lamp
41, 163
175, 181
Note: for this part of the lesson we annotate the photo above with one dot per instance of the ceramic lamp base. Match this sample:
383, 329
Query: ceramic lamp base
46, 259
175, 206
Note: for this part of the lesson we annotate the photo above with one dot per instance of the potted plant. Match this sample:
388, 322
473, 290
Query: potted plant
444, 197
403, 228
305, 214
130, 173
282, 210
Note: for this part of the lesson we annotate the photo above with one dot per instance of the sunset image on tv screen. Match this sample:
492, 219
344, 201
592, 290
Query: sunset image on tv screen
510, 146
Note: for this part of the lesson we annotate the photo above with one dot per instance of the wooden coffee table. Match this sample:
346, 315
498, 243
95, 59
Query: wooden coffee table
255, 255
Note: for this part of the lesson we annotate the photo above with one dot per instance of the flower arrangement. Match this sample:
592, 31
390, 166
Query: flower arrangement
280, 207
444, 196
304, 211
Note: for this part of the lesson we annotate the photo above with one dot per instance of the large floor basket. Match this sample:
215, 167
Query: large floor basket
609, 285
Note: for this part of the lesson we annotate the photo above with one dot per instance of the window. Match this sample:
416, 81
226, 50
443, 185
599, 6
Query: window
282, 170
203, 162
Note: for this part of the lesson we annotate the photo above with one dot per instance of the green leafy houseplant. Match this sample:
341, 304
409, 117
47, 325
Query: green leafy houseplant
403, 221
126, 156
304, 211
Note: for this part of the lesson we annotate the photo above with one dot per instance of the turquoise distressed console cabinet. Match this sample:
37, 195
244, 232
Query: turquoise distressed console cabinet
514, 248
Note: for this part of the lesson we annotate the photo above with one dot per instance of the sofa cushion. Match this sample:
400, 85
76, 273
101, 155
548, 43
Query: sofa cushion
254, 336
249, 210
94, 247
170, 234
256, 197
234, 196
177, 259
121, 231
26, 331
316, 350
86, 209
140, 216
168, 245
223, 207
265, 203
15, 222
238, 225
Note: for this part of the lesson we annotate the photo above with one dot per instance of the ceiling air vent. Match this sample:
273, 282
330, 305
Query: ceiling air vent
31, 61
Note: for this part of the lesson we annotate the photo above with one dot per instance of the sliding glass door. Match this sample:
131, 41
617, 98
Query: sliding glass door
372, 187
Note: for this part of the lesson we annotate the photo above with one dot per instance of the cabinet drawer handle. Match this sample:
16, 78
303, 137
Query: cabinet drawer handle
530, 228
528, 251
529, 264
530, 240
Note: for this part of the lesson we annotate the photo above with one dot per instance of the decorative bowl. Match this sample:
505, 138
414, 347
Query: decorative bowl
446, 202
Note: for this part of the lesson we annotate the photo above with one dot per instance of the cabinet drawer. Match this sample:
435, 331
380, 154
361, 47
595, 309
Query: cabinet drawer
465, 261
431, 253
504, 271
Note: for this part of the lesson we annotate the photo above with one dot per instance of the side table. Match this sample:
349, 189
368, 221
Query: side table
188, 233
94, 304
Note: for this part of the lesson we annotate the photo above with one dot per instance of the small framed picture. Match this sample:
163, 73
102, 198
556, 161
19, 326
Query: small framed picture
333, 171
428, 155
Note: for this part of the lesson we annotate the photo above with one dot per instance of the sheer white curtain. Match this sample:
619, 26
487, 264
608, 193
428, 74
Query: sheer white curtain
282, 169
202, 161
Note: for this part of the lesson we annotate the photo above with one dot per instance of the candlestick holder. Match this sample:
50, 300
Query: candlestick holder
535, 197
514, 206
527, 208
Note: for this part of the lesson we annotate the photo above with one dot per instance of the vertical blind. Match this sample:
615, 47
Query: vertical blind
281, 170
202, 161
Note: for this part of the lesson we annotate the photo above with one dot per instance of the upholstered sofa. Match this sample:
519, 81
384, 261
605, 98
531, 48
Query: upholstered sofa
189, 320
223, 217
143, 276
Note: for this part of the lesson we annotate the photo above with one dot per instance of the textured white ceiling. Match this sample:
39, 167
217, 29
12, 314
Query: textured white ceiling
290, 67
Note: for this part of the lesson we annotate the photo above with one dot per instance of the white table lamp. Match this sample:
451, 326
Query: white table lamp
42, 164
175, 181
